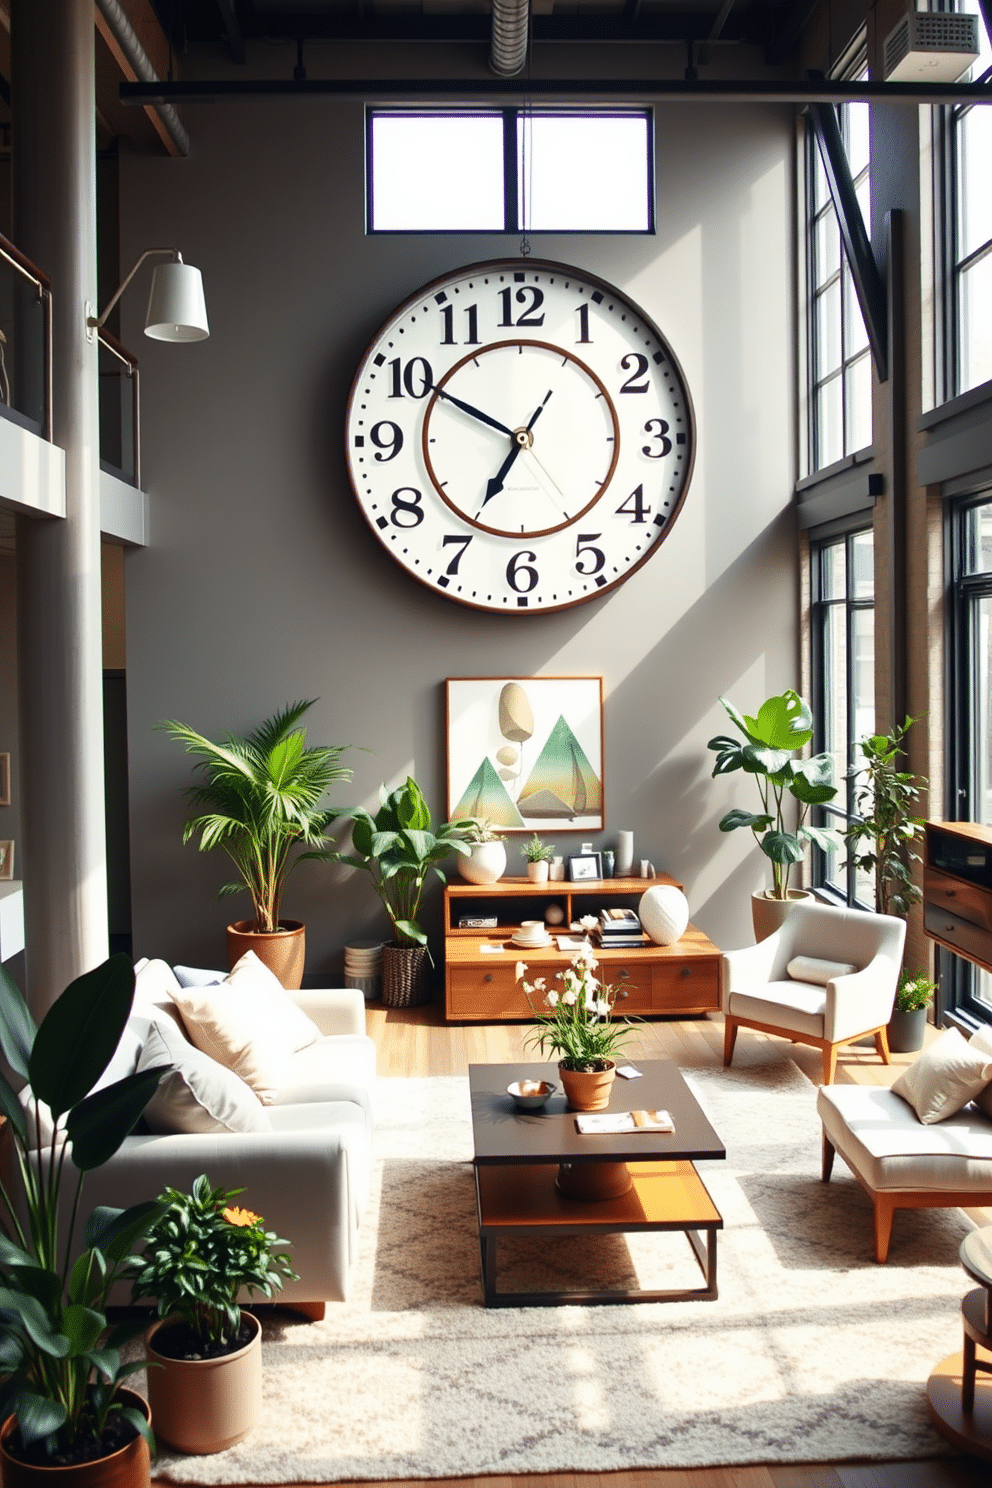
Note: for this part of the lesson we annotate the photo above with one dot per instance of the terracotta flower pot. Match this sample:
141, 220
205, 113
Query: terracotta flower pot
205, 1405
129, 1467
588, 1090
283, 951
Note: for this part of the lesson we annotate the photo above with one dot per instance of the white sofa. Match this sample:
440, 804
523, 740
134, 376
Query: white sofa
307, 1166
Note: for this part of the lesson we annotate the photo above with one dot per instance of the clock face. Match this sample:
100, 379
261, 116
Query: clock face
519, 436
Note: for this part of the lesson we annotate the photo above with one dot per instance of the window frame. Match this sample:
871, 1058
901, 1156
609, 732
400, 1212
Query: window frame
510, 114
833, 814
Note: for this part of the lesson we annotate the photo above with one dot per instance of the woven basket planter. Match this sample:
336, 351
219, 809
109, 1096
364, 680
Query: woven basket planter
405, 976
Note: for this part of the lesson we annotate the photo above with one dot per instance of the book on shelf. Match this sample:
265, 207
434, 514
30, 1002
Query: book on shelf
618, 1122
619, 942
618, 921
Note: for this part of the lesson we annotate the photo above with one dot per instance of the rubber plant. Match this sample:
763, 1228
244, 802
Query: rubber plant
769, 752
60, 1361
260, 798
881, 833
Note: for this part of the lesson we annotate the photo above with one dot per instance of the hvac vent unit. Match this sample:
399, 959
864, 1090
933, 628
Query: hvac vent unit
930, 46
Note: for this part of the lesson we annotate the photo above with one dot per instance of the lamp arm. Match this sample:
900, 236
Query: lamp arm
173, 253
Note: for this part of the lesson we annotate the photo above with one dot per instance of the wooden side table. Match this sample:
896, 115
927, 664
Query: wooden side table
959, 1402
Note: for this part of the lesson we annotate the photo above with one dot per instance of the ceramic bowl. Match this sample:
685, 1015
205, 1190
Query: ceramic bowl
534, 1101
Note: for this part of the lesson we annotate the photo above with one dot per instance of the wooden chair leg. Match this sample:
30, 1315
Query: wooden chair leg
829, 1063
729, 1040
313, 1311
884, 1211
828, 1159
882, 1045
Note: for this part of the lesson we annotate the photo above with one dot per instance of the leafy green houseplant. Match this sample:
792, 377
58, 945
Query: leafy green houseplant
881, 834
260, 798
61, 1362
914, 992
769, 752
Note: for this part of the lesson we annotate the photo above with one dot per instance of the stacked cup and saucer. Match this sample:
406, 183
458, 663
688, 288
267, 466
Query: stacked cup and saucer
532, 935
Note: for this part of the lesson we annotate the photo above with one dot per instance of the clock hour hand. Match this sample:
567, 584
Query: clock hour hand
475, 413
521, 440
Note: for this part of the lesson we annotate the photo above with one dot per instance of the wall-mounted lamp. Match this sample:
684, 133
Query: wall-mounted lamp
176, 308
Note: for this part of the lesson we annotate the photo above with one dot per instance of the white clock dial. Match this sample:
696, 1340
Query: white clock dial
519, 436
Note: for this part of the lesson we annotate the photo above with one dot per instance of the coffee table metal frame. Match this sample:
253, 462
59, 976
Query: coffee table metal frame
516, 1161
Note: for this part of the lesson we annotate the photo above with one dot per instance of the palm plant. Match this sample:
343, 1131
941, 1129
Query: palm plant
259, 799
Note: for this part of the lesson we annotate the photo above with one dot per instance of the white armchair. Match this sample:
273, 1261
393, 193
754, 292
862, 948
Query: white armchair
847, 996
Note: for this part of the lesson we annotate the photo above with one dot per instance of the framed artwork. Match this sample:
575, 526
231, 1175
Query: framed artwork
6, 861
526, 752
585, 867
4, 779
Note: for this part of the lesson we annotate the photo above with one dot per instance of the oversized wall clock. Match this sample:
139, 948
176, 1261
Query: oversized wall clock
519, 436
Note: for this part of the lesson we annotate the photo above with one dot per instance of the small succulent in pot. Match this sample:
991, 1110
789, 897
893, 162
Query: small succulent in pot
200, 1253
536, 851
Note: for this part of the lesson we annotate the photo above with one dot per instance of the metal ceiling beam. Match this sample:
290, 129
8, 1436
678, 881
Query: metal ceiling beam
789, 32
854, 235
716, 31
720, 90
233, 32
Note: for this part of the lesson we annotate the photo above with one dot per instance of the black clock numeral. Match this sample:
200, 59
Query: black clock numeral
461, 543
584, 549
407, 513
637, 382
639, 511
529, 296
387, 437
584, 337
657, 428
448, 318
415, 379
521, 575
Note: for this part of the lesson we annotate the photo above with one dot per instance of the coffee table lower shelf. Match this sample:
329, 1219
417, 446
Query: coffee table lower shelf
520, 1199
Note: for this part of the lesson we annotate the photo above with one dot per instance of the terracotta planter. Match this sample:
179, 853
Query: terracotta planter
906, 1030
486, 865
588, 1090
595, 1181
283, 952
205, 1405
130, 1467
405, 976
767, 914
538, 872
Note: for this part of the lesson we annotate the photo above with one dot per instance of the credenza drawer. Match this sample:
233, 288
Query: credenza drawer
689, 986
972, 941
966, 901
485, 993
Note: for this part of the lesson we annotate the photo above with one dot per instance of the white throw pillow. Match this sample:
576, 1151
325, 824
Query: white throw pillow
982, 1041
249, 1023
819, 972
945, 1077
197, 1094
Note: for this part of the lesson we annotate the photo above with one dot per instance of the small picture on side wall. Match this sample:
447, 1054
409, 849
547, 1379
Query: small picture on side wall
6, 861
4, 779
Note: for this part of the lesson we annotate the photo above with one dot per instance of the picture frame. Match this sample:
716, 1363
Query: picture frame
6, 861
526, 752
4, 779
585, 867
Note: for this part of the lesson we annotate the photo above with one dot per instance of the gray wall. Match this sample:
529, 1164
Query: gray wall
262, 584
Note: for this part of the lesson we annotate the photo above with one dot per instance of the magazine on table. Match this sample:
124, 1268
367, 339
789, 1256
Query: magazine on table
591, 1124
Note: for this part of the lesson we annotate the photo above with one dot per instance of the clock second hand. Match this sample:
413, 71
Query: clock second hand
520, 441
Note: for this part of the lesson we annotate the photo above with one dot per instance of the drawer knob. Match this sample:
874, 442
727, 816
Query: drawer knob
488, 977
624, 974
686, 971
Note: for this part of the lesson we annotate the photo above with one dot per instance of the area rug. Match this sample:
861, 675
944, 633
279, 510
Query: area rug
811, 1353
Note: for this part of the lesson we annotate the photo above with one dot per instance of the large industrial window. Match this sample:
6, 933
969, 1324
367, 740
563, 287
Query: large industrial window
843, 638
509, 170
839, 359
969, 249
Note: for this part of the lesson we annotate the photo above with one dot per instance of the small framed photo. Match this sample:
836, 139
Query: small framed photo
585, 867
4, 779
6, 861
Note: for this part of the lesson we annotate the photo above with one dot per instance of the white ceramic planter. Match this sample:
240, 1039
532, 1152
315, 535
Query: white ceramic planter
767, 914
538, 872
486, 865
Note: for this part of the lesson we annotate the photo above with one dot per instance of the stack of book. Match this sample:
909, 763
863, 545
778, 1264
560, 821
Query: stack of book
619, 928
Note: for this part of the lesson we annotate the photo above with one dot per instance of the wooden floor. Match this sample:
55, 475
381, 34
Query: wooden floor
417, 1042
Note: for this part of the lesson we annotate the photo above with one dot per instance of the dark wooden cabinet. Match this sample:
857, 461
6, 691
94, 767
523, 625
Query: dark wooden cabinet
957, 889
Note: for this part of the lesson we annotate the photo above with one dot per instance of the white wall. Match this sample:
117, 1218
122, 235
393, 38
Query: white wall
262, 585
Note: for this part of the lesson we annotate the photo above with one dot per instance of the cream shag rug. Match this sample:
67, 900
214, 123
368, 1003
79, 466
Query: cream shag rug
811, 1353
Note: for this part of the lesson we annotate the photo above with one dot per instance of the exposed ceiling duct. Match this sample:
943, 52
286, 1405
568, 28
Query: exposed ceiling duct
511, 28
127, 40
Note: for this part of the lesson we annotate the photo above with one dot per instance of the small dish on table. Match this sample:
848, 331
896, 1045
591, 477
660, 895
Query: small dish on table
530, 1095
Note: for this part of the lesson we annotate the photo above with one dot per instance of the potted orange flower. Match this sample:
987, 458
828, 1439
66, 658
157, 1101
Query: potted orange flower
205, 1379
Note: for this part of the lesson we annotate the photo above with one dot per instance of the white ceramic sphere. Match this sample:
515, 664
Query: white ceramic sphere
664, 913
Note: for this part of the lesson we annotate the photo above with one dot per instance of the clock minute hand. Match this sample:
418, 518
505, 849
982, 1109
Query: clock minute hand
475, 413
521, 440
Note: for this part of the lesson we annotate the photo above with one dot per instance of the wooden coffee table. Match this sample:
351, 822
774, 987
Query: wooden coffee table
517, 1159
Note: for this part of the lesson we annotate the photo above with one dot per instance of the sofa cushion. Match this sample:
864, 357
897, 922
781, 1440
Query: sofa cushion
879, 1137
819, 972
799, 1006
197, 1094
947, 1075
249, 1022
338, 1067
983, 1040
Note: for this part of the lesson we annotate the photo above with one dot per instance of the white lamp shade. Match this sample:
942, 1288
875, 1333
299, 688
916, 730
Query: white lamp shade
176, 307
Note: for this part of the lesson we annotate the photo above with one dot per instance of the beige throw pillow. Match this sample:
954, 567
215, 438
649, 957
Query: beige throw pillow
982, 1041
197, 1094
945, 1077
249, 1023
813, 969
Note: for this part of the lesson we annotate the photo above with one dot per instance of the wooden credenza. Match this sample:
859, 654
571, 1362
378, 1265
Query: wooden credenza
480, 985
957, 889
